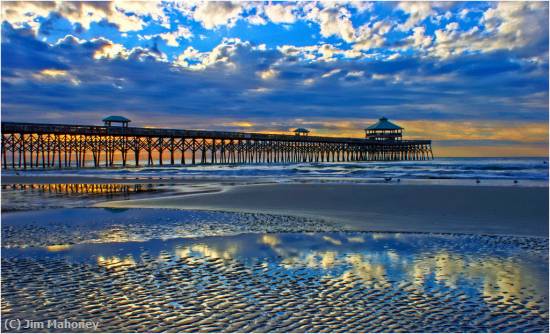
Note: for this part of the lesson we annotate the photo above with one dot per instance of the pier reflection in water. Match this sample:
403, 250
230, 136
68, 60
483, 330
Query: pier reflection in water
289, 282
17, 197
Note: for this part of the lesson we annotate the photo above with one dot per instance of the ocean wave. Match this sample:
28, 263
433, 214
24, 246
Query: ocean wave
445, 168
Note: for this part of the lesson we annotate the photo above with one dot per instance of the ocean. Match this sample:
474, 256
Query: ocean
498, 171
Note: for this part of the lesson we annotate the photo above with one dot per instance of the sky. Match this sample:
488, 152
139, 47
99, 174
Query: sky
471, 76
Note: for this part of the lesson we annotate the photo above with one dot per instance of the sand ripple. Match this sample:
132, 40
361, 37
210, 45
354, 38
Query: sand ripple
208, 286
58, 227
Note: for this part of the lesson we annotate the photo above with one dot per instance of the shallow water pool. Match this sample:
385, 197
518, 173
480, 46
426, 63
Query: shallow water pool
286, 282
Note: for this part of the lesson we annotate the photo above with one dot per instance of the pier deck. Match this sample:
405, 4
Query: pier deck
33, 145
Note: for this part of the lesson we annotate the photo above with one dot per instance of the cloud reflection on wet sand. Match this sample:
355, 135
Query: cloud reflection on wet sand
287, 282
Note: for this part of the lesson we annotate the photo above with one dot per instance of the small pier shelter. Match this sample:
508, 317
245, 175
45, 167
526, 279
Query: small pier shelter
301, 132
116, 119
384, 130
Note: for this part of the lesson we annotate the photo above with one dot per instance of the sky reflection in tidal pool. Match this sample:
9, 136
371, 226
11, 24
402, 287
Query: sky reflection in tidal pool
291, 282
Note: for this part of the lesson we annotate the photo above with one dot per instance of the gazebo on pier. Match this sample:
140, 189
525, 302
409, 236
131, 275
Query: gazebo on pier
384, 130
116, 119
301, 132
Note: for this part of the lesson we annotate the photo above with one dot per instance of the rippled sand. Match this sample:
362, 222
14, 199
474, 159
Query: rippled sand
57, 227
290, 282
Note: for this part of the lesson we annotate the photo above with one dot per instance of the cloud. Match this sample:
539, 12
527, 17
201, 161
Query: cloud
111, 50
106, 49
280, 13
333, 21
21, 14
152, 9
328, 51
362, 6
268, 74
355, 75
417, 11
213, 14
52, 75
372, 35
321, 52
518, 26
171, 37
126, 15
331, 73
271, 87
419, 39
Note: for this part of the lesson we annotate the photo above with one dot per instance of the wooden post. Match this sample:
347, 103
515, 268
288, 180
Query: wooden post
4, 156
58, 140
149, 151
183, 150
172, 151
83, 151
213, 151
193, 150
137, 148
23, 149
203, 151
160, 149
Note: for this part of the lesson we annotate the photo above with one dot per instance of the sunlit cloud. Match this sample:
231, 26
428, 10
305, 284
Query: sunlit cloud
53, 73
268, 74
464, 74
56, 75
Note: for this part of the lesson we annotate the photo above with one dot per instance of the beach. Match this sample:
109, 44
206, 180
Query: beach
382, 207
264, 254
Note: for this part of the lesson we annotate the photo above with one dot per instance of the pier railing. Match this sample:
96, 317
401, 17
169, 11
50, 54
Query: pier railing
33, 145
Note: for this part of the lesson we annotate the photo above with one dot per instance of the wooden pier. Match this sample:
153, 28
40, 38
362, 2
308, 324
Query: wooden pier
30, 145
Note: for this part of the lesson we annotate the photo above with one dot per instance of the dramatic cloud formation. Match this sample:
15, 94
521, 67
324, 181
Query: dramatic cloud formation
460, 73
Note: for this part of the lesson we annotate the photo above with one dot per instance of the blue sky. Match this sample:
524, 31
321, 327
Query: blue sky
466, 74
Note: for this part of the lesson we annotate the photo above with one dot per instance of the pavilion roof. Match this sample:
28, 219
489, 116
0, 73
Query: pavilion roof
384, 124
116, 119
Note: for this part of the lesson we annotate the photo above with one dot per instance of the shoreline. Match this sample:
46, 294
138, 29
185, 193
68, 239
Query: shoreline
243, 180
385, 207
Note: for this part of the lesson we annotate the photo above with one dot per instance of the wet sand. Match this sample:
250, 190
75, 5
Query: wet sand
282, 258
481, 209
378, 207
64, 227
290, 282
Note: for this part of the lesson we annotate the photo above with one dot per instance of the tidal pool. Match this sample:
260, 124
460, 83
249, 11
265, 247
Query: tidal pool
286, 282
24, 197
